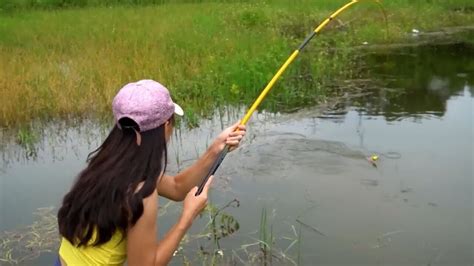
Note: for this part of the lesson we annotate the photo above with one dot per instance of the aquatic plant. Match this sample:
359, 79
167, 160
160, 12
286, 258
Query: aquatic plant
27, 139
28, 243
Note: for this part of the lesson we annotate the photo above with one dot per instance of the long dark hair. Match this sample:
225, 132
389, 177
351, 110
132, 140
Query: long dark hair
104, 196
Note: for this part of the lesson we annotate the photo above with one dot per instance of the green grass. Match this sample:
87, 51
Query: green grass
15, 5
60, 62
266, 239
27, 138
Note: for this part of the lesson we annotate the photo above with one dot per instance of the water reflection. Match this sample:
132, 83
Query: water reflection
414, 82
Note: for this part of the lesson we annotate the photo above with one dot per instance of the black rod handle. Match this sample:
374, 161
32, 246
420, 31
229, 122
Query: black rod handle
213, 169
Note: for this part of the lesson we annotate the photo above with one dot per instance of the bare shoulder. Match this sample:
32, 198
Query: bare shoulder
141, 237
150, 211
150, 203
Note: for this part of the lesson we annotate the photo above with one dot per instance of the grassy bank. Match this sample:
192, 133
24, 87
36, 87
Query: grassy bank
70, 62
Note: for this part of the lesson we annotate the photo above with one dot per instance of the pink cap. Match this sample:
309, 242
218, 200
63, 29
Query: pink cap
146, 102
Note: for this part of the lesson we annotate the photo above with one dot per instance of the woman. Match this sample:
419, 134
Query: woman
110, 214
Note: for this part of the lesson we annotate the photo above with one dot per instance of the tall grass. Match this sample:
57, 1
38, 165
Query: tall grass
9, 5
13, 5
71, 62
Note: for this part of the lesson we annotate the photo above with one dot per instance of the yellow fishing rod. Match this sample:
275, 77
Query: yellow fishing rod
277, 75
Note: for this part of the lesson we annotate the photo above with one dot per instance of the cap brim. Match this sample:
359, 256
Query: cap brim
178, 110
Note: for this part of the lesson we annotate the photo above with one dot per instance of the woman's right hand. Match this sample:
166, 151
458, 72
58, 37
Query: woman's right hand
193, 205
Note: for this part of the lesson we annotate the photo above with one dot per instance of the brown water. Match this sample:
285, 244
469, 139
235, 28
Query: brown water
325, 203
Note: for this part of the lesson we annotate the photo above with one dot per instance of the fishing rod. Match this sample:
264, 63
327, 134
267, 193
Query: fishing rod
272, 82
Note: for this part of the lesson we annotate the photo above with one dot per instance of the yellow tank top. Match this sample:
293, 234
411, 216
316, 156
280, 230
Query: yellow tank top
113, 252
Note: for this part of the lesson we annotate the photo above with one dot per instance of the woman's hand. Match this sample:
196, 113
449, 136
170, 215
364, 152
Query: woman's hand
193, 205
230, 136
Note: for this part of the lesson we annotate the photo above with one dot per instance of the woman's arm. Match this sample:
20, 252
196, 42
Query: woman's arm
176, 187
143, 249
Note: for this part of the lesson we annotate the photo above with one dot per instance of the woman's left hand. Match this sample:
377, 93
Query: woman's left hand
231, 136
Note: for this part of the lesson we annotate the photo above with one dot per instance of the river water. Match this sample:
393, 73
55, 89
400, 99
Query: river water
308, 173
